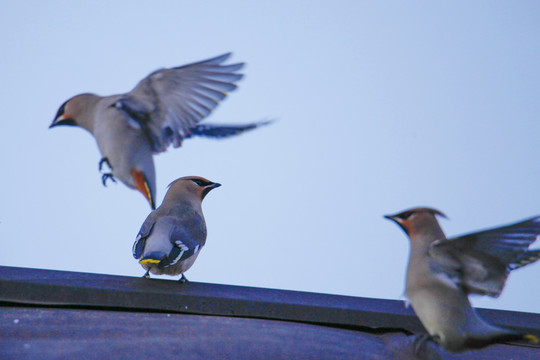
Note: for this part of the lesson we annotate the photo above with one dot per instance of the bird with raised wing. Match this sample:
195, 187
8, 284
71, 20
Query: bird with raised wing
172, 236
443, 272
163, 109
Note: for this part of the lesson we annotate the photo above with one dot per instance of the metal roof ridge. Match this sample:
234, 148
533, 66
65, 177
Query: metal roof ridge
64, 288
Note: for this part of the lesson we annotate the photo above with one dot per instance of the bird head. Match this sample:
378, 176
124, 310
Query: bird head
76, 111
192, 186
415, 220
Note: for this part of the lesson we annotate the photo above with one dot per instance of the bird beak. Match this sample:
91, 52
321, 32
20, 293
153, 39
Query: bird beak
213, 186
398, 221
63, 120
391, 217
209, 187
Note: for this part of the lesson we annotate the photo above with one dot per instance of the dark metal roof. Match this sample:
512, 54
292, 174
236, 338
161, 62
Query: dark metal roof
77, 315
47, 332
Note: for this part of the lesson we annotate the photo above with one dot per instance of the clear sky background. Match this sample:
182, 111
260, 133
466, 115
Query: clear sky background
381, 106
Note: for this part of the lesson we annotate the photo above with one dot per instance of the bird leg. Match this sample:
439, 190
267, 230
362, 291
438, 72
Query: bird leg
104, 160
106, 177
147, 275
420, 344
183, 279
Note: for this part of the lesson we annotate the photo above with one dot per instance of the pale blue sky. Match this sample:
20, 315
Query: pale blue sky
381, 106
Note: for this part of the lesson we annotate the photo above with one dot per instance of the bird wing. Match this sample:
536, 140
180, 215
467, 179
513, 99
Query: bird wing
169, 102
480, 262
144, 232
187, 236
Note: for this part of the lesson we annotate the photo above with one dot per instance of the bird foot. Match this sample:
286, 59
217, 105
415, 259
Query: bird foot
422, 348
183, 279
104, 160
147, 275
106, 177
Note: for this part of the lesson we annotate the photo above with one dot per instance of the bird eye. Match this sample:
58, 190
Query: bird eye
61, 111
199, 182
406, 215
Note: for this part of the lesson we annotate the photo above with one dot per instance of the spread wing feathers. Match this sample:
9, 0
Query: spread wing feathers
480, 262
527, 258
169, 102
144, 232
222, 131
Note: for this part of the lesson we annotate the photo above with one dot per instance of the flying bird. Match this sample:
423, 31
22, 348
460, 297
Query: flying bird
442, 273
163, 109
172, 236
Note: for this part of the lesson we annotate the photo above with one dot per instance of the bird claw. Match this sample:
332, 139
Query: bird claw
104, 160
106, 177
147, 275
183, 279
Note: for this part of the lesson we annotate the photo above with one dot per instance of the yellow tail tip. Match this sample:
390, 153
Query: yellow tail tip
149, 261
531, 338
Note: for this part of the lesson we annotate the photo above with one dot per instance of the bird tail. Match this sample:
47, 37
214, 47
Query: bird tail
155, 257
223, 131
532, 339
503, 336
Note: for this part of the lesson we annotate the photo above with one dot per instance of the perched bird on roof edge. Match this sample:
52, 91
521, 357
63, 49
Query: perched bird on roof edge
442, 273
164, 108
172, 236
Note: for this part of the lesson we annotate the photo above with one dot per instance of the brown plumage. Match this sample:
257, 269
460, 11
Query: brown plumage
173, 235
442, 273
162, 110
